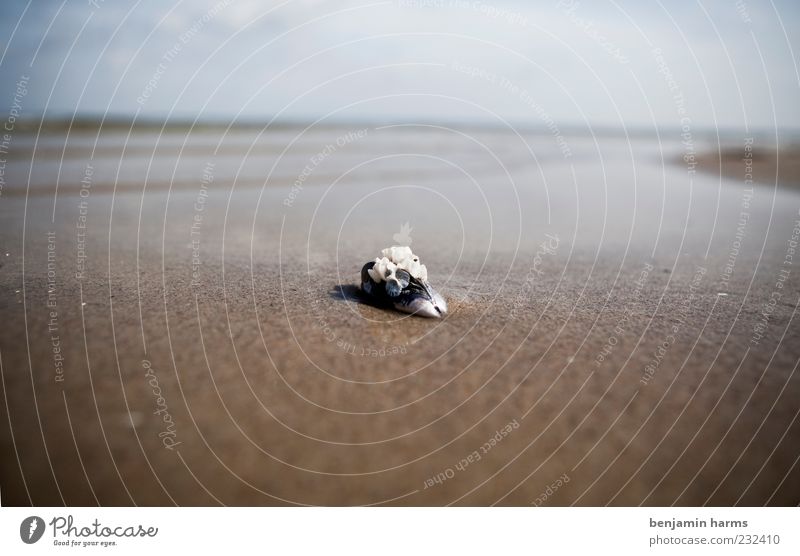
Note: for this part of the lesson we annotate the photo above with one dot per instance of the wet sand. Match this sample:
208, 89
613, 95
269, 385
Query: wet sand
775, 166
621, 331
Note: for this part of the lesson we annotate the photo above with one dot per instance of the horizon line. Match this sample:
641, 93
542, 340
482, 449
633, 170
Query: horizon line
119, 121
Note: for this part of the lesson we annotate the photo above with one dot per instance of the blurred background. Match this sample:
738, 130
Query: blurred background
585, 65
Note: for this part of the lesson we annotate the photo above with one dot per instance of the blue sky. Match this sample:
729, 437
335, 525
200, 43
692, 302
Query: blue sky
576, 63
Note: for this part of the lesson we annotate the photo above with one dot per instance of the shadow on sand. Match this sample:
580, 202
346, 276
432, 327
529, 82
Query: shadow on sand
353, 294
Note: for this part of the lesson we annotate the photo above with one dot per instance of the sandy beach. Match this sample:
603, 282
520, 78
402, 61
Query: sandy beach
770, 166
182, 323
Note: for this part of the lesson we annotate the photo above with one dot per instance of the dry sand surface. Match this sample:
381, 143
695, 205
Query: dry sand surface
621, 330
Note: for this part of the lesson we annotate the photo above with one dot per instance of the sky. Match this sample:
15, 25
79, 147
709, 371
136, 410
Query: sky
730, 64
